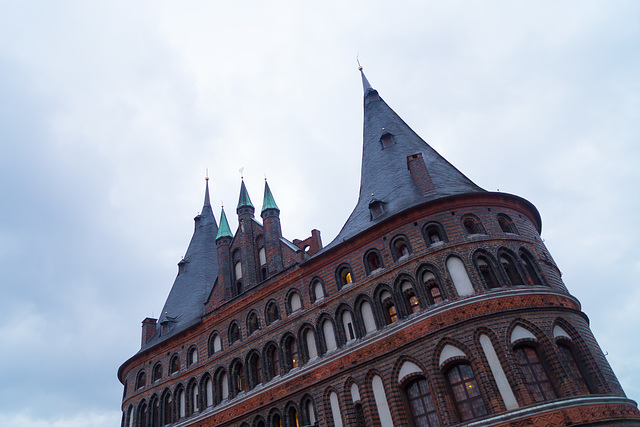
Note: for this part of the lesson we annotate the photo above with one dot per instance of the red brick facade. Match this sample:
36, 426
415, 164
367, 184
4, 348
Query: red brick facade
401, 316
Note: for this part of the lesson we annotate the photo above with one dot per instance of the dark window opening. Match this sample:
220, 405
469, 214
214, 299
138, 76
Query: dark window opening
466, 393
387, 140
388, 308
373, 261
535, 374
511, 270
472, 226
506, 224
423, 411
434, 234
252, 323
174, 365
272, 313
157, 373
531, 270
571, 367
234, 333
487, 273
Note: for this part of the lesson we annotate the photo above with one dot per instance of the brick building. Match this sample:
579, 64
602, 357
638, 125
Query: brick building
436, 304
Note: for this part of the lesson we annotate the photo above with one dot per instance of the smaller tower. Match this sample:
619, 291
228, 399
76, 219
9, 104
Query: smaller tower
243, 253
272, 233
223, 242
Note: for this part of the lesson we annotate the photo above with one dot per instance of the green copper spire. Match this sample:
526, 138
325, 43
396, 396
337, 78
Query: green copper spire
244, 200
223, 230
268, 202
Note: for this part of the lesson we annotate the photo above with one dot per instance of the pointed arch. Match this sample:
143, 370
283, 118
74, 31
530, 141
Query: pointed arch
271, 357
386, 304
327, 332
253, 363
534, 274
511, 268
237, 378
410, 295
486, 267
431, 283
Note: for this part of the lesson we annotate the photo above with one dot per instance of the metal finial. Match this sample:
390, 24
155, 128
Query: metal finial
241, 172
358, 61
206, 178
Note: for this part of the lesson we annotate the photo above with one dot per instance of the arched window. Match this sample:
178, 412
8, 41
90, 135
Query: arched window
382, 404
317, 290
142, 414
344, 276
262, 257
167, 408
347, 324
237, 272
181, 401
411, 303
310, 341
466, 393
194, 403
432, 286
130, 416
511, 270
234, 333
400, 247
572, 368
208, 391
434, 234
487, 272
292, 417
372, 261
290, 349
192, 356
459, 276
237, 377
272, 358
506, 224
308, 410
272, 313
141, 380
215, 343
154, 409
295, 303
157, 372
472, 225
357, 405
388, 308
335, 409
329, 335
276, 421
368, 319
418, 398
252, 323
254, 368
535, 373
530, 266
222, 385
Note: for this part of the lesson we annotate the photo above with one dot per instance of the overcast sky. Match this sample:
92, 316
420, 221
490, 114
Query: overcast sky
111, 112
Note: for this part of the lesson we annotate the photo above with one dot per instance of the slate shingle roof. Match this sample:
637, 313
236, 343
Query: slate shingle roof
191, 288
384, 174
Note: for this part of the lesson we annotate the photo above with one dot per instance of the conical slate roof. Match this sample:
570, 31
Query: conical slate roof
191, 288
385, 177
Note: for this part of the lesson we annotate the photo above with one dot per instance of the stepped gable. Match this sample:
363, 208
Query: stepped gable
197, 272
387, 179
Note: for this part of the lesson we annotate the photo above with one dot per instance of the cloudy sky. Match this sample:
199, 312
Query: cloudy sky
112, 111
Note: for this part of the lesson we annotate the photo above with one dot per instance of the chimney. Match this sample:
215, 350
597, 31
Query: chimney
148, 329
420, 174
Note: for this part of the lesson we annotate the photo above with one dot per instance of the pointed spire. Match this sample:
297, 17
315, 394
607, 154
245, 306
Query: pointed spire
365, 83
268, 202
224, 230
206, 192
244, 200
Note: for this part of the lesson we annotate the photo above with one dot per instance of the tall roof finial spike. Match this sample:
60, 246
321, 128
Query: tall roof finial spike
358, 61
206, 177
241, 172
365, 83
